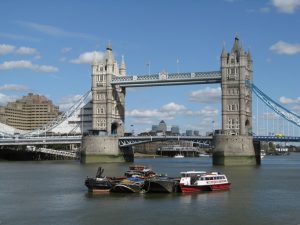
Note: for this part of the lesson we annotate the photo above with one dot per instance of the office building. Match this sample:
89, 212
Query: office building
29, 113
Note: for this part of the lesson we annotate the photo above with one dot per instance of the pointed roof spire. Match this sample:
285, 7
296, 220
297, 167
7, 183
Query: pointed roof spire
109, 46
123, 63
249, 56
109, 54
94, 62
224, 53
123, 67
236, 45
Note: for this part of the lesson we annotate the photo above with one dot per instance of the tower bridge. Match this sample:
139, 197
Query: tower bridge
102, 117
109, 82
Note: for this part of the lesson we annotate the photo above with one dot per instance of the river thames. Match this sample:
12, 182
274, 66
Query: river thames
53, 192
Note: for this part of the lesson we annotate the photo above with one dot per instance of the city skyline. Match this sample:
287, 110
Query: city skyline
47, 49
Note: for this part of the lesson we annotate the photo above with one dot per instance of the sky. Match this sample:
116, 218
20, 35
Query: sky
46, 47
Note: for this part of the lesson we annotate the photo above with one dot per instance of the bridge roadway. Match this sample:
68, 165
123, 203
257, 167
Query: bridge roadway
164, 78
41, 140
129, 141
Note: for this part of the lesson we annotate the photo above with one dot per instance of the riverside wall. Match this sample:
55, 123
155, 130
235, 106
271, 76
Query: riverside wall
231, 150
104, 149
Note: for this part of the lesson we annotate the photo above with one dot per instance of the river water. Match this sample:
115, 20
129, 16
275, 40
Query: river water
53, 192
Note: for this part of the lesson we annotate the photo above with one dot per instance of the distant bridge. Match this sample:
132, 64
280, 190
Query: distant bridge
135, 140
277, 138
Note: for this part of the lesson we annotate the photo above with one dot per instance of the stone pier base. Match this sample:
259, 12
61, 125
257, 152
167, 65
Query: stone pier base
97, 149
234, 150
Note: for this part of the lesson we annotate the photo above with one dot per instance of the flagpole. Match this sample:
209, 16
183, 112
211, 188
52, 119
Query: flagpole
149, 65
177, 62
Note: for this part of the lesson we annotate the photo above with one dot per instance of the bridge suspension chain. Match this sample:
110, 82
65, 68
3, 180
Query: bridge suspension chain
51, 125
277, 108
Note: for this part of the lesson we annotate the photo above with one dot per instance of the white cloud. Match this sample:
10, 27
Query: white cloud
54, 31
167, 111
68, 101
89, 57
18, 37
172, 106
14, 87
66, 49
25, 64
282, 47
150, 113
270, 116
4, 99
6, 49
264, 10
207, 95
27, 51
286, 6
286, 101
296, 108
205, 112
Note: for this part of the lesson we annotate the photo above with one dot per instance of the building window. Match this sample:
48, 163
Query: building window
232, 71
100, 78
103, 123
102, 110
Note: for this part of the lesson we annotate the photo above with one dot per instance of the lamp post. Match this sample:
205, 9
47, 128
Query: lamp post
132, 129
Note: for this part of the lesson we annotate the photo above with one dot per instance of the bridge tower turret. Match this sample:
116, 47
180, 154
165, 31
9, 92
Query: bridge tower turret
235, 144
107, 100
108, 114
236, 71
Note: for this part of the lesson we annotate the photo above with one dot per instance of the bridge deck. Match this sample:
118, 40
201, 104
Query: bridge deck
132, 140
162, 79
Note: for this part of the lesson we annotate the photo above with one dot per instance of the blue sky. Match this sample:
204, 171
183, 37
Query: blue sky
44, 49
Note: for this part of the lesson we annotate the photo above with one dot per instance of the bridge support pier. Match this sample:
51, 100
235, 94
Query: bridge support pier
97, 149
234, 150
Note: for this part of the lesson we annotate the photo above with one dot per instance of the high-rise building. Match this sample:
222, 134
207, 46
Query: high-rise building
162, 126
155, 128
196, 132
29, 113
175, 130
189, 133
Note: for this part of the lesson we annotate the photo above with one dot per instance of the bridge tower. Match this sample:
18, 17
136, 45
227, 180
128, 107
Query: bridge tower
108, 104
234, 146
107, 100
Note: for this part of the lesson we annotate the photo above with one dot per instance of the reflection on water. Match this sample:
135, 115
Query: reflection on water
54, 193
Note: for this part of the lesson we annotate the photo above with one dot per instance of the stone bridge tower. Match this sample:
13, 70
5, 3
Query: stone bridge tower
107, 101
108, 113
235, 145
236, 70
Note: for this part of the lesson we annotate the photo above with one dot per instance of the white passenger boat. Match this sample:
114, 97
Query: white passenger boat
179, 156
198, 181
